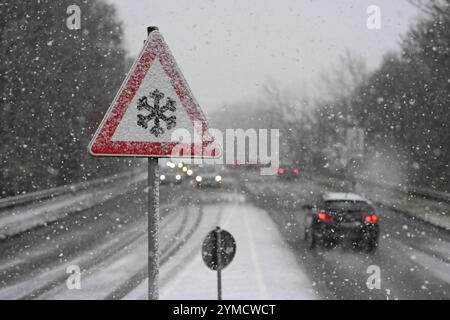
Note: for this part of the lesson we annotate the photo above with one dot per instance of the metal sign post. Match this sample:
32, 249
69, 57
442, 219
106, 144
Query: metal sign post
218, 250
153, 100
219, 263
153, 228
153, 221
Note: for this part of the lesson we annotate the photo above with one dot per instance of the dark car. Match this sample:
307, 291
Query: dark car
340, 217
207, 176
170, 176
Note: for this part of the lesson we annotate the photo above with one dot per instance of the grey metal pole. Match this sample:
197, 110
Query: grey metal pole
219, 264
153, 222
153, 228
219, 284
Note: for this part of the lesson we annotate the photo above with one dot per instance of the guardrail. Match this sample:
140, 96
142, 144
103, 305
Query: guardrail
411, 190
415, 191
58, 191
430, 194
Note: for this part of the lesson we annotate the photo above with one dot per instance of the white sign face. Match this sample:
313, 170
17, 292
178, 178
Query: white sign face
155, 79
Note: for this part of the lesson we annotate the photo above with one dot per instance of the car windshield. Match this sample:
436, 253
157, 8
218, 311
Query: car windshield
340, 205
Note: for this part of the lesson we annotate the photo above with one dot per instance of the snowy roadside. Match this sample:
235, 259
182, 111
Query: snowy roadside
105, 265
24, 218
264, 266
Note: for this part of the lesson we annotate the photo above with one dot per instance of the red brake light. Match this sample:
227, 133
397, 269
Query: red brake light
373, 218
324, 217
296, 170
280, 170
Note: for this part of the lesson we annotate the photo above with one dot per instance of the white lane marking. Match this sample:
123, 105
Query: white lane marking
259, 277
226, 223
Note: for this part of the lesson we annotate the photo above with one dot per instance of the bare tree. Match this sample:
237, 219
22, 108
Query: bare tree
340, 82
432, 6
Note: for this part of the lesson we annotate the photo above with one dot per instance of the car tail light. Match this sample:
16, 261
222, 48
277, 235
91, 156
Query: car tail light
296, 170
373, 218
324, 217
280, 170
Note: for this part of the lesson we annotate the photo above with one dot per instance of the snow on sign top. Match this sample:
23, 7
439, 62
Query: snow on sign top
153, 102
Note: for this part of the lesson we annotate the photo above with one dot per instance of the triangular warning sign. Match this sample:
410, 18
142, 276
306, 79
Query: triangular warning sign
154, 114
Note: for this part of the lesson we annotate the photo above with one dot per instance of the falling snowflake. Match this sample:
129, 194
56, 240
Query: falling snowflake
156, 113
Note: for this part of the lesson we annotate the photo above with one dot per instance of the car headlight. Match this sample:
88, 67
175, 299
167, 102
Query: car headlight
178, 177
162, 177
189, 172
218, 178
170, 164
184, 169
198, 179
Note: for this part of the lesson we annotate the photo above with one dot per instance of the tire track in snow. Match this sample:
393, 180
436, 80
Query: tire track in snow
253, 255
107, 250
134, 281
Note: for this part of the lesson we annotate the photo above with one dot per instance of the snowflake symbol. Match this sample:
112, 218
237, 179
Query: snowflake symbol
156, 113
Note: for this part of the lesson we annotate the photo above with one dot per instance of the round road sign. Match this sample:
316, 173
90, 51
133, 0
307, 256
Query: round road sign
218, 249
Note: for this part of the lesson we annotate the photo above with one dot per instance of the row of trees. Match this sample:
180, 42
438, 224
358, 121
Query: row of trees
55, 86
406, 102
286, 109
403, 107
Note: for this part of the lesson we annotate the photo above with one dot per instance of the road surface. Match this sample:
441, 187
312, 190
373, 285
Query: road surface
109, 243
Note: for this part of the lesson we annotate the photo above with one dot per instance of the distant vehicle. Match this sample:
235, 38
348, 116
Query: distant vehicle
288, 172
207, 176
339, 217
249, 166
170, 176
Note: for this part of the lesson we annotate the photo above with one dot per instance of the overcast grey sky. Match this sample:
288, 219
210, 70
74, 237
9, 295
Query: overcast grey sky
228, 48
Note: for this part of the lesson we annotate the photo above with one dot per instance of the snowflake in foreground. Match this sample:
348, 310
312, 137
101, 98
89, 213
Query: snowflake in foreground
156, 113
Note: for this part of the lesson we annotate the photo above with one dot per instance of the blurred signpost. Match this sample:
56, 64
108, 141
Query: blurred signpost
355, 140
218, 250
153, 101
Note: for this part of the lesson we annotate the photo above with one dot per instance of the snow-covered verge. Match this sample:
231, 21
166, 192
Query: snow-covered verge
264, 266
431, 211
35, 214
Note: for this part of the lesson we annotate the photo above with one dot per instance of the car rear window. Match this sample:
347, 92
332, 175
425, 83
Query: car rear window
345, 205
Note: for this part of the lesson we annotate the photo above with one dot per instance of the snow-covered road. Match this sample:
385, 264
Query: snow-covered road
263, 268
109, 243
413, 256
